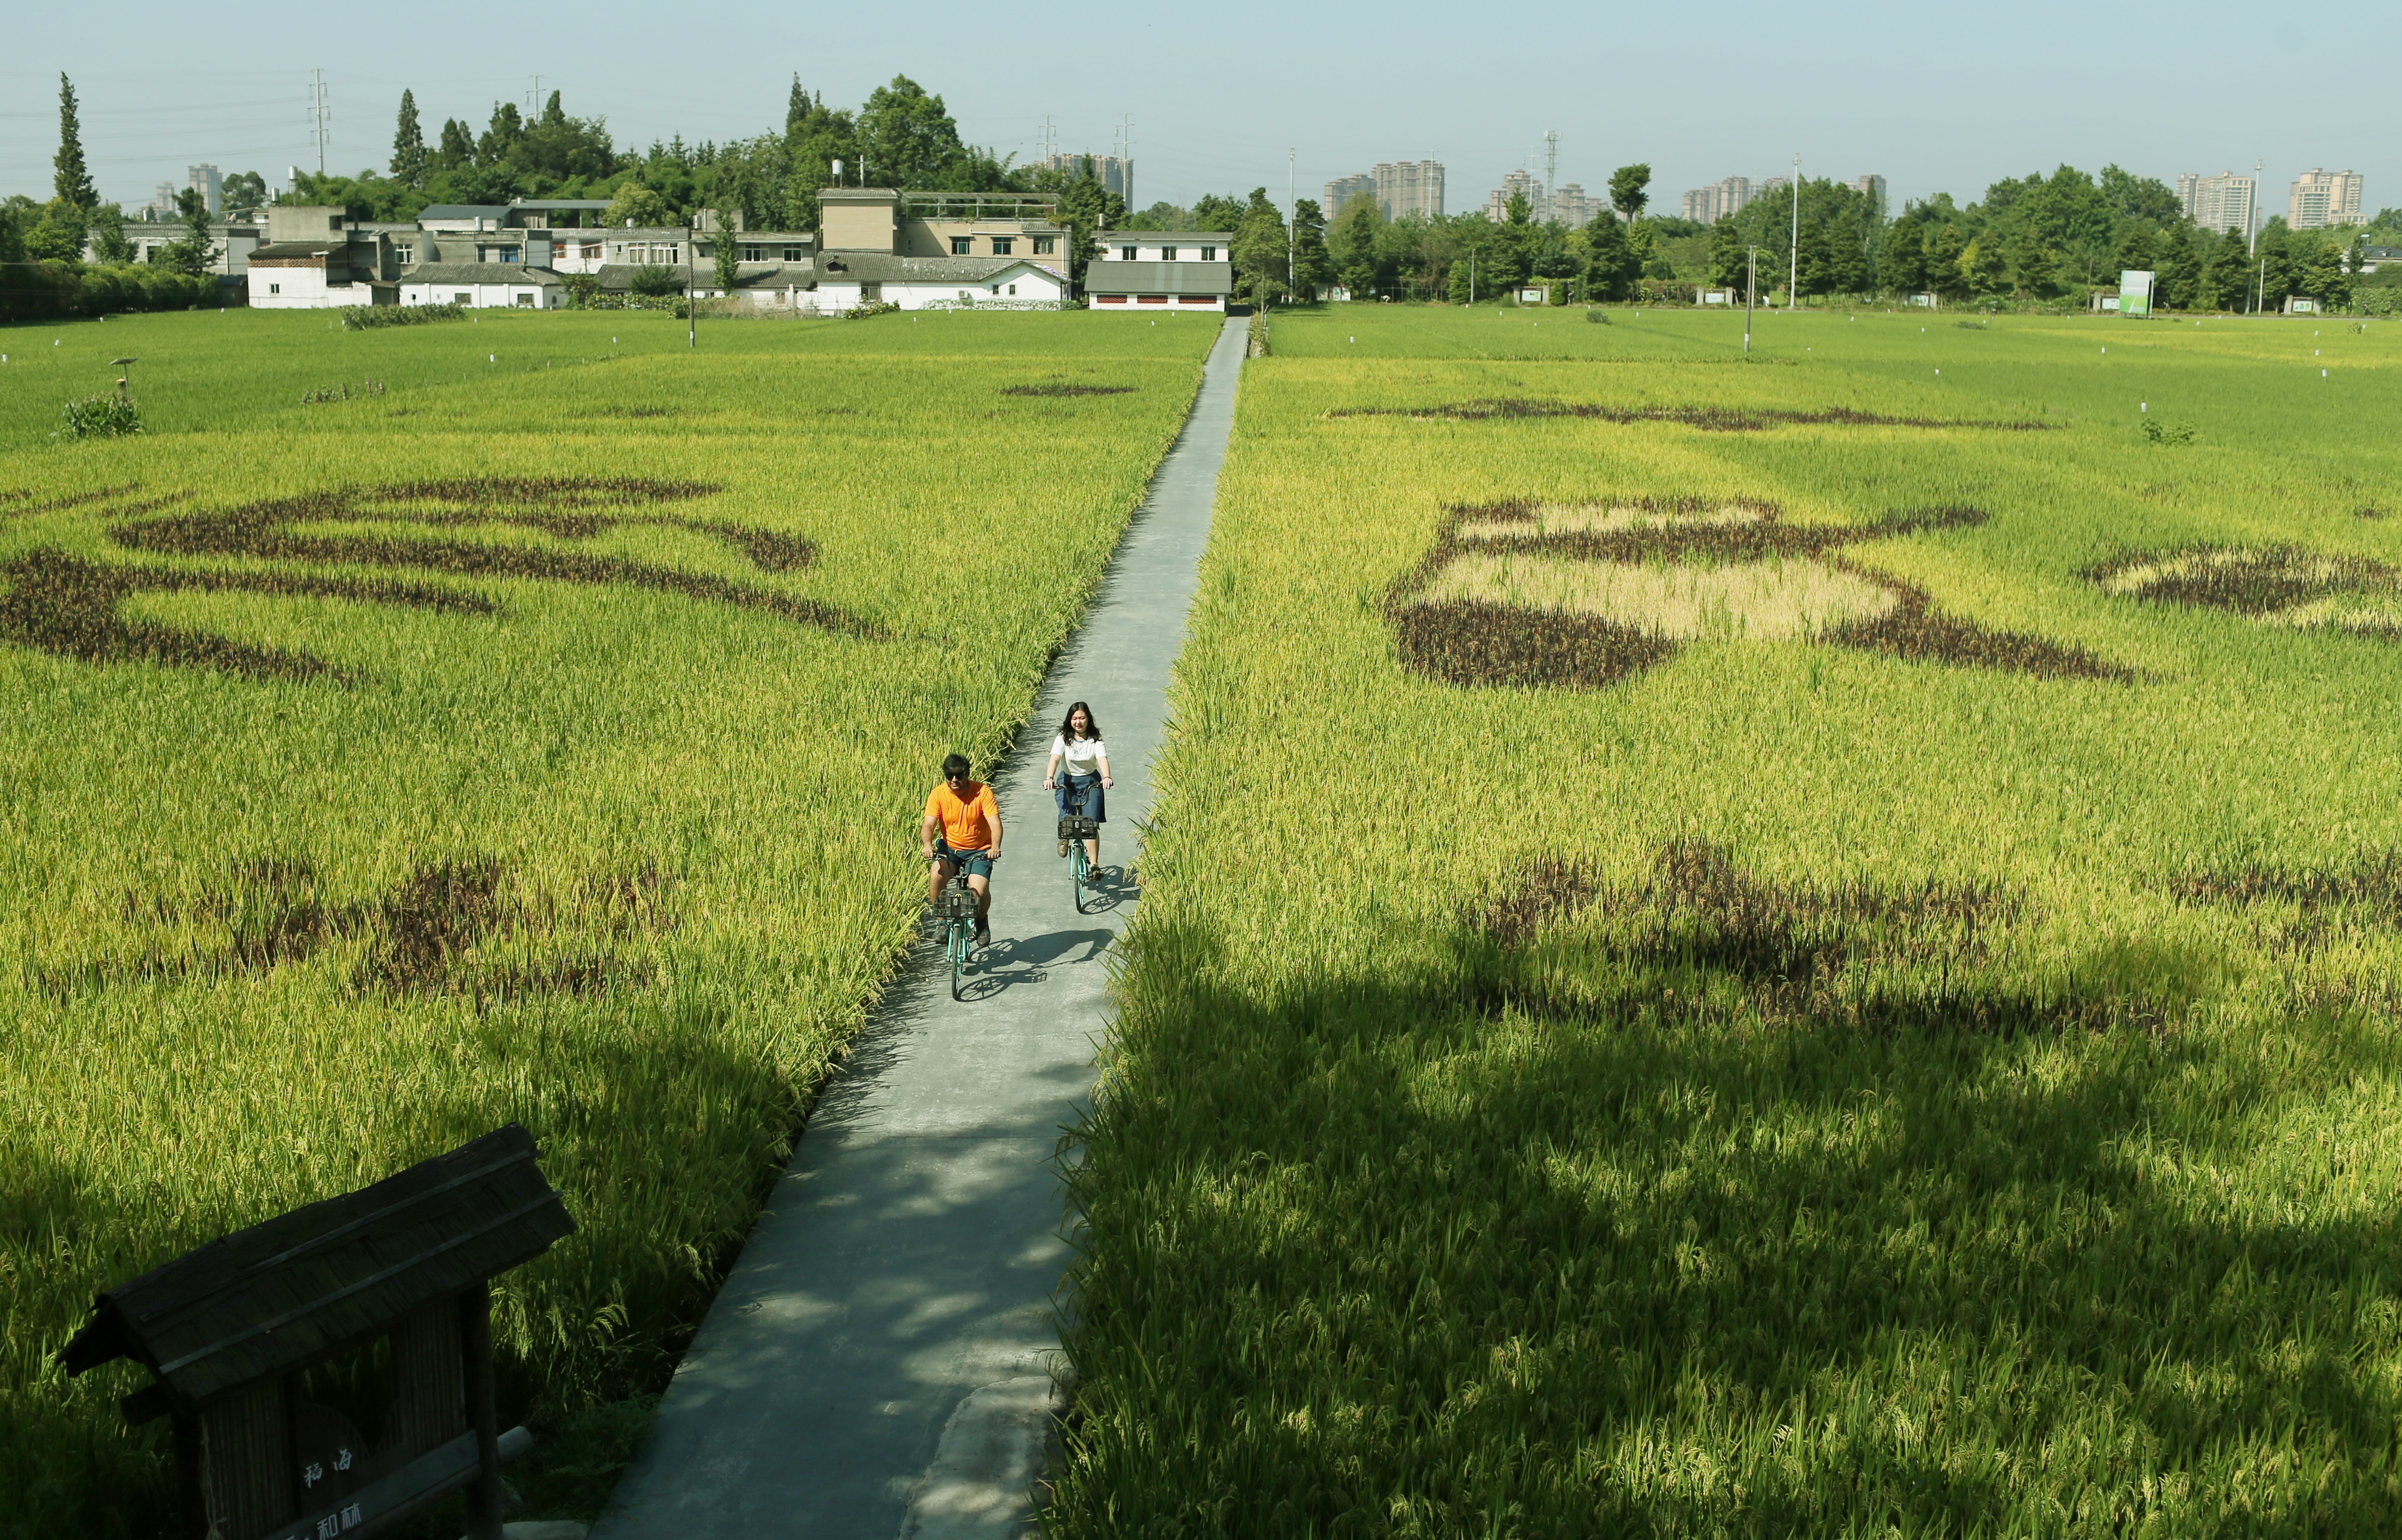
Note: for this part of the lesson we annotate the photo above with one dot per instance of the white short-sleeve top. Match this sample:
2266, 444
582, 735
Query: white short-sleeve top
1079, 756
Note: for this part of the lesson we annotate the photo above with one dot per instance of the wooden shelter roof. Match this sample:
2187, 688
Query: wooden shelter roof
283, 1294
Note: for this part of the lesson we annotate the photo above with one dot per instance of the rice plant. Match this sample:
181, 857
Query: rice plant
1921, 1069
490, 751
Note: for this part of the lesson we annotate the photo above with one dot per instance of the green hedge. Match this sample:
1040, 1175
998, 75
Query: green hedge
69, 288
367, 317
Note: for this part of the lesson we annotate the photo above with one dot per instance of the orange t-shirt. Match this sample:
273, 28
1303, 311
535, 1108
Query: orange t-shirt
967, 821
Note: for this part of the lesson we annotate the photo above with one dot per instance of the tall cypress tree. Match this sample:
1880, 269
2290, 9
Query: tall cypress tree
72, 178
797, 110
409, 144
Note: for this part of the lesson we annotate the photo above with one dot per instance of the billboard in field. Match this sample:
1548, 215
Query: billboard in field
2135, 292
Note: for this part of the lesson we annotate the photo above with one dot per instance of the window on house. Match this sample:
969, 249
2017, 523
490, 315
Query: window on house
1168, 253
404, 252
1150, 300
962, 245
1208, 253
755, 254
1108, 298
463, 298
1013, 288
525, 301
1002, 245
1126, 254
511, 254
1044, 245
592, 254
796, 254
617, 250
275, 288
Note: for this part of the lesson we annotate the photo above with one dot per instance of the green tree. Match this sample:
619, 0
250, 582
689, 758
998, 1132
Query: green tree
2177, 262
1259, 252
196, 253
1353, 244
1985, 266
2277, 261
1947, 261
728, 248
1212, 212
1611, 263
2139, 198
2322, 278
1902, 254
1730, 255
1086, 207
636, 204
108, 242
457, 151
409, 144
1627, 193
2138, 249
2225, 275
909, 137
246, 191
815, 137
69, 178
1313, 269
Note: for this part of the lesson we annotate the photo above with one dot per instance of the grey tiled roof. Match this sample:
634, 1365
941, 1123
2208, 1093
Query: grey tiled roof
1165, 238
872, 267
462, 211
1159, 278
479, 273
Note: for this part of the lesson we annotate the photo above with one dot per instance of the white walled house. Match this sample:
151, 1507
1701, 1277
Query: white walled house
1156, 271
483, 285
849, 278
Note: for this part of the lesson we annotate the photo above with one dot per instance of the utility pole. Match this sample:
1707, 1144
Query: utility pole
1793, 279
534, 100
321, 115
1551, 171
2252, 215
1292, 236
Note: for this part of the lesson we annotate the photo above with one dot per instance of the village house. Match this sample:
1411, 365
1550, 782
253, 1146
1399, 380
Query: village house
881, 245
1160, 272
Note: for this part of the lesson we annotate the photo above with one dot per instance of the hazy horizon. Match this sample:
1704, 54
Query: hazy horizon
1933, 105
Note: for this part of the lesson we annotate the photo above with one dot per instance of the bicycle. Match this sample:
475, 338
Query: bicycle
1075, 828
956, 909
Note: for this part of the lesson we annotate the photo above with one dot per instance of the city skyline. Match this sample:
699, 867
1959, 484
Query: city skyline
156, 99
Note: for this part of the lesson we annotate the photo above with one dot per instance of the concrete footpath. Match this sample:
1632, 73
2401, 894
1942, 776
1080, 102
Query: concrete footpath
878, 1365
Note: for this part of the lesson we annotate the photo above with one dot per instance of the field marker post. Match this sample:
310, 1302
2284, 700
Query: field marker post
1750, 292
1793, 282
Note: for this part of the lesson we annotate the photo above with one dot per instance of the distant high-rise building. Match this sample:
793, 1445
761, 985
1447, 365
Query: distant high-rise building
204, 180
1572, 208
2322, 197
1116, 172
1710, 204
162, 202
1872, 185
1340, 192
1409, 187
2220, 202
1518, 183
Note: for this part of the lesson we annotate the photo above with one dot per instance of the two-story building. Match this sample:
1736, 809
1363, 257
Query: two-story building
939, 251
1160, 272
317, 257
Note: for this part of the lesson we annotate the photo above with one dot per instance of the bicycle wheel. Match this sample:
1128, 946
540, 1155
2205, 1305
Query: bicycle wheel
1076, 873
961, 938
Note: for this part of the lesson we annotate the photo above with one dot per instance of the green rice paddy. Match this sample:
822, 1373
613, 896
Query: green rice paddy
539, 739
1822, 1079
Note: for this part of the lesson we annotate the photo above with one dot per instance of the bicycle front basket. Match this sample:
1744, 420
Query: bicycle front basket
1072, 828
957, 904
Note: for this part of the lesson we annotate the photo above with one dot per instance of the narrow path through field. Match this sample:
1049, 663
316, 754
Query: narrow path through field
879, 1362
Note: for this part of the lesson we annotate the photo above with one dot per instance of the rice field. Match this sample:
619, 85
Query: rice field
537, 738
1793, 946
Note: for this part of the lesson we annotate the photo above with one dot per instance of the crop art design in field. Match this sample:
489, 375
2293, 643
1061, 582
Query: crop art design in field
1586, 595
74, 607
1707, 419
2280, 585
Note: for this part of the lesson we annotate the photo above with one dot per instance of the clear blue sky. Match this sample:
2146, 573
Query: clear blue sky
1934, 98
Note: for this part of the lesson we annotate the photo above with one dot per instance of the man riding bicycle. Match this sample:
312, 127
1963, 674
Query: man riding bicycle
962, 832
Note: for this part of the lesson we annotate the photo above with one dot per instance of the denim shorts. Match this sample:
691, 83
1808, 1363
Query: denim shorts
1088, 788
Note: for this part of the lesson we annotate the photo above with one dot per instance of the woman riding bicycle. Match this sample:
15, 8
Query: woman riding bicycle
1078, 788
